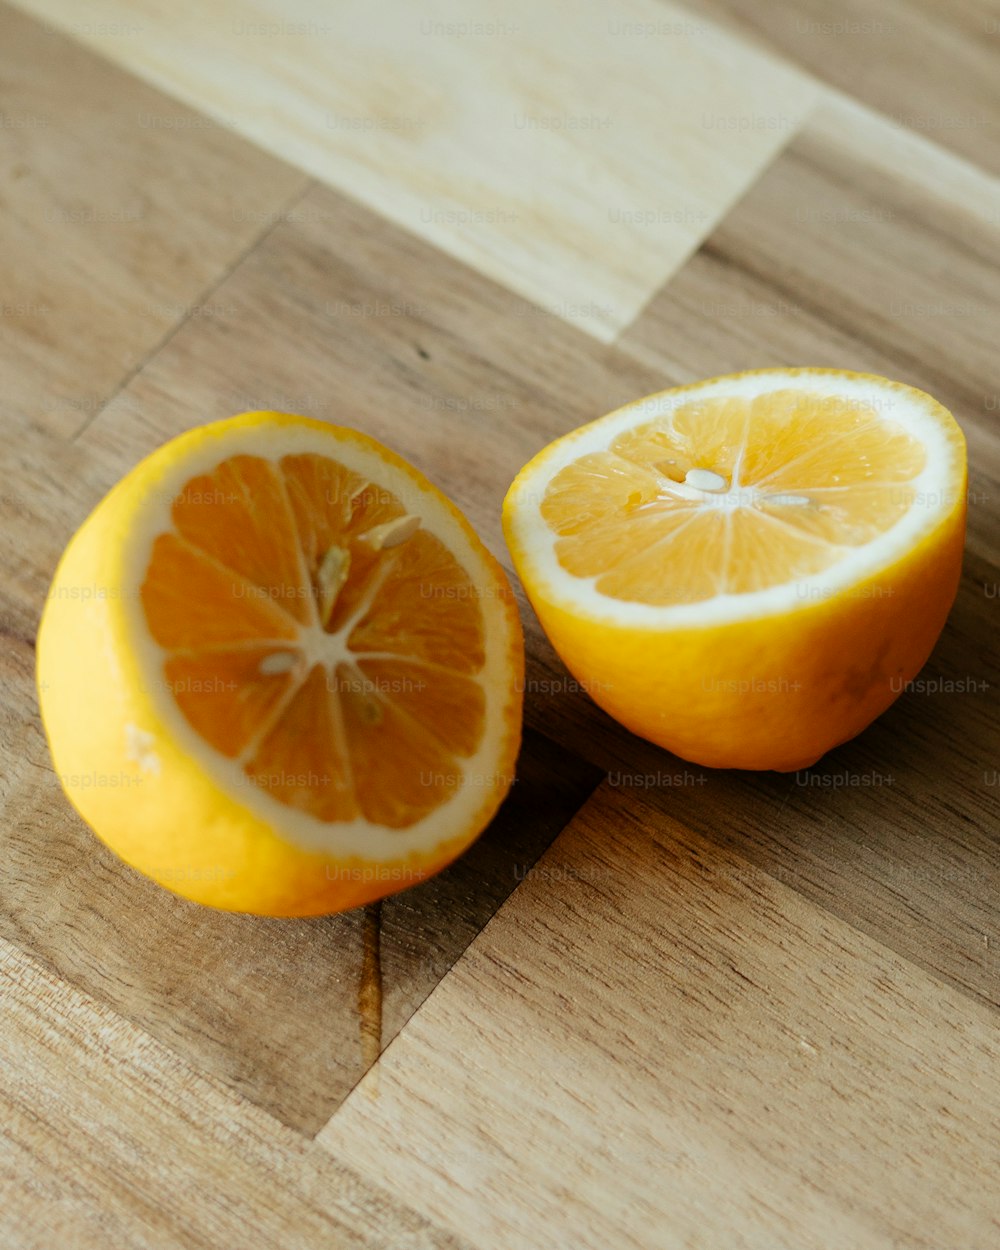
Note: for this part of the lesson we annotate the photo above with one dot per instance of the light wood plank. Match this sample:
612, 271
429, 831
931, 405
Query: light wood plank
703, 1058
543, 144
109, 1140
929, 66
379, 330
121, 208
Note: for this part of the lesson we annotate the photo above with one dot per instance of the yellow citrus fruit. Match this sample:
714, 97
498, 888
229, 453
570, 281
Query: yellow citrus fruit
747, 570
278, 671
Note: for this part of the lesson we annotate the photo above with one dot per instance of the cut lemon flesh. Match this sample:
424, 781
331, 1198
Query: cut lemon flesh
721, 491
763, 497
334, 648
309, 650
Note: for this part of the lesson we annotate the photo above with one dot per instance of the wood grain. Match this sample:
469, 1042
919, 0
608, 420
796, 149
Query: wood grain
703, 1058
722, 1010
120, 210
277, 1010
929, 66
853, 250
385, 314
545, 145
110, 1140
896, 832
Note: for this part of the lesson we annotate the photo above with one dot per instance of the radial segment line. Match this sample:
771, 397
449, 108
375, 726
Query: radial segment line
861, 429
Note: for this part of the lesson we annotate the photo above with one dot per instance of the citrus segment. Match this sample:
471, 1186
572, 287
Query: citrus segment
238, 515
228, 693
182, 601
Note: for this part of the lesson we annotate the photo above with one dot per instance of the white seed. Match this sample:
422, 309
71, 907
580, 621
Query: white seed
792, 501
276, 662
679, 490
705, 479
392, 533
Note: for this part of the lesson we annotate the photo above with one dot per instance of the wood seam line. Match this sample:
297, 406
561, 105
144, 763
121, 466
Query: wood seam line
701, 243
828, 93
865, 113
825, 313
275, 219
44, 997
653, 814
383, 1051
827, 96
772, 279
781, 883
717, 212
828, 315
28, 968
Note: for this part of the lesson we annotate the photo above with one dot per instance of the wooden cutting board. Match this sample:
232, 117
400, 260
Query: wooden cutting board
656, 1005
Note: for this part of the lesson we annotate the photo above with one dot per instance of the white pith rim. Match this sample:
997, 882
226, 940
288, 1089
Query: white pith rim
373, 843
935, 496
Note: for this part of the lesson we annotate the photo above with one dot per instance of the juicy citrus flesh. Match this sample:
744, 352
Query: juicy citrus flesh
792, 478
315, 634
747, 570
293, 683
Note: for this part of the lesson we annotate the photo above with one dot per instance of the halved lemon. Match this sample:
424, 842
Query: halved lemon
747, 570
278, 671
